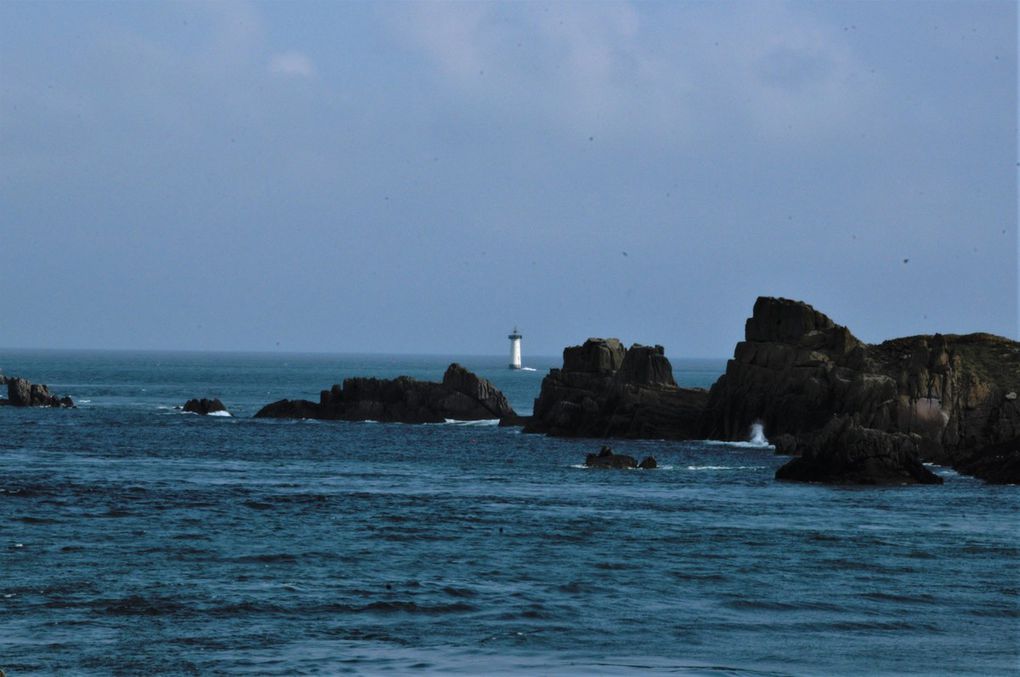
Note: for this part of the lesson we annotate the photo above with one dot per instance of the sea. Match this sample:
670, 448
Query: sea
137, 539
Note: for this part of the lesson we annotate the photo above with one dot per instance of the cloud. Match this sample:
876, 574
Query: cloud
292, 64
658, 71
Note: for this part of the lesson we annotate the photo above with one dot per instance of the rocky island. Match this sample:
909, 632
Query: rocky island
946, 399
853, 412
23, 393
460, 396
603, 390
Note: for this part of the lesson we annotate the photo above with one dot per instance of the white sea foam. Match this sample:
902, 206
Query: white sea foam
474, 424
739, 445
84, 401
582, 466
528, 369
725, 467
220, 413
758, 435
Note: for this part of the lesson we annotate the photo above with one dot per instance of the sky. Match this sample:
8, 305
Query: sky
422, 177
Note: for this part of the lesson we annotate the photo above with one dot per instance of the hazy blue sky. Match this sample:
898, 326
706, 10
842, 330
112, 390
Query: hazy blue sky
421, 177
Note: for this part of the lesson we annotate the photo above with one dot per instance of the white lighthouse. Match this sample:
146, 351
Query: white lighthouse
515, 349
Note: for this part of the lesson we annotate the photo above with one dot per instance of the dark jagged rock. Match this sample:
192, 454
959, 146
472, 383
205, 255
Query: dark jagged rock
204, 407
23, 393
996, 464
606, 458
461, 396
514, 421
796, 369
606, 391
478, 390
846, 453
648, 463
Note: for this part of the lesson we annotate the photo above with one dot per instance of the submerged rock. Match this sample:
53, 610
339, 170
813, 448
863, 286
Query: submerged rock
204, 407
846, 453
796, 369
461, 396
23, 393
603, 390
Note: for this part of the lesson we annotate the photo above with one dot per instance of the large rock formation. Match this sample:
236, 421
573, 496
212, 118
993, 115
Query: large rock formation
796, 369
606, 391
461, 395
23, 393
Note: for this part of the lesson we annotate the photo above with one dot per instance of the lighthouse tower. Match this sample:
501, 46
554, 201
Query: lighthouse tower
515, 349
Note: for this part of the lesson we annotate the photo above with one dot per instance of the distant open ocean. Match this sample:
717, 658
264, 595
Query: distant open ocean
136, 539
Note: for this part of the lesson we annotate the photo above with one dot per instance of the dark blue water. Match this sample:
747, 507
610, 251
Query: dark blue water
136, 540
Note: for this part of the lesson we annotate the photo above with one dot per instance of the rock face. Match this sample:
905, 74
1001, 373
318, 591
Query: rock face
605, 458
796, 369
204, 407
461, 395
846, 453
22, 393
996, 464
606, 391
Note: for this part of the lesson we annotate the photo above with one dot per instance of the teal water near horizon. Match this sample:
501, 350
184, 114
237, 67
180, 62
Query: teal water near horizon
138, 539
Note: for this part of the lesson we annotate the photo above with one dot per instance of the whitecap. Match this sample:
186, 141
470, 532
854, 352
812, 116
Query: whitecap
474, 423
528, 369
738, 445
725, 467
219, 413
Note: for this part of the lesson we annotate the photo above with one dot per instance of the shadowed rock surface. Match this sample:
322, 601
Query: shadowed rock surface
996, 464
796, 369
23, 393
461, 395
203, 406
846, 453
603, 390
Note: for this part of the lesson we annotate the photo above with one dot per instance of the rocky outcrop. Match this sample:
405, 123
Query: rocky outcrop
603, 390
996, 464
23, 393
461, 395
796, 369
204, 407
605, 458
846, 453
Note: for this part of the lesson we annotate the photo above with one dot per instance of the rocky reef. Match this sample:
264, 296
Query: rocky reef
23, 393
939, 398
204, 406
461, 395
603, 390
606, 458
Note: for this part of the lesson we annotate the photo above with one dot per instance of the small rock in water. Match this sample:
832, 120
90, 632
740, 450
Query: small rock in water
607, 459
648, 463
204, 407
